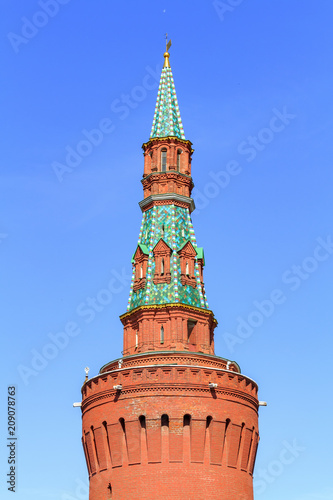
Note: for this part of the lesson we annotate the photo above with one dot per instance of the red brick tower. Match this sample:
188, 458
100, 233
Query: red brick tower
169, 420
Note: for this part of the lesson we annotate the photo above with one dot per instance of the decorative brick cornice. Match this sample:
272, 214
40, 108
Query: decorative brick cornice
162, 176
156, 390
155, 203
152, 307
167, 141
188, 202
172, 358
165, 389
168, 378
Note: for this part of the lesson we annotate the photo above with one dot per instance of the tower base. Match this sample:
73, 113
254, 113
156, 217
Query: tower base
172, 425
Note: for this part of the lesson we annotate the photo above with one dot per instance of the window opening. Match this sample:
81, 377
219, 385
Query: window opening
162, 334
142, 420
163, 160
105, 425
165, 420
186, 420
190, 331
178, 159
208, 421
94, 441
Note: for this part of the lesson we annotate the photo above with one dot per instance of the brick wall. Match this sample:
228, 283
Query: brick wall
167, 435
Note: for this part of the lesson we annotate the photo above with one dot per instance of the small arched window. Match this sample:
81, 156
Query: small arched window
187, 272
165, 420
208, 421
141, 271
186, 420
136, 339
142, 420
163, 160
162, 267
162, 334
179, 152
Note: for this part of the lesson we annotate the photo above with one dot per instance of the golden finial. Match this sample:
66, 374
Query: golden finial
166, 53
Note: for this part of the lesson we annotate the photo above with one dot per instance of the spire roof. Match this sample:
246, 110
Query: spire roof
167, 121
172, 225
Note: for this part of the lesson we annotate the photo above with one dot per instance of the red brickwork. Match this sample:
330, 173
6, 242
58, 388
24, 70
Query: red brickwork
141, 261
172, 177
162, 254
185, 328
166, 434
187, 255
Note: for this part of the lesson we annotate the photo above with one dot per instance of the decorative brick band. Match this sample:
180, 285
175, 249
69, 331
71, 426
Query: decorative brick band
167, 439
172, 357
167, 306
164, 198
169, 379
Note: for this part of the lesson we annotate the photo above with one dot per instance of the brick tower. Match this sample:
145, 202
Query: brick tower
169, 420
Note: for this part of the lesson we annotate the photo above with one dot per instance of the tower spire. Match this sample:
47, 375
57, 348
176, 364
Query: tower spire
170, 419
167, 121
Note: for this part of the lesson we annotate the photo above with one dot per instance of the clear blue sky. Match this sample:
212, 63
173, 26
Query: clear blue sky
254, 86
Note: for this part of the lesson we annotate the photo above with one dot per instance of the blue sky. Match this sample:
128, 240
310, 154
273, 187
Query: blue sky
254, 82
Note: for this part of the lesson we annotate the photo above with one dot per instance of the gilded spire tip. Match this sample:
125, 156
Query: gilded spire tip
166, 53
166, 60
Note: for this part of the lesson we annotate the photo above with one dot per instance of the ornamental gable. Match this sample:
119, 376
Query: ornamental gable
187, 250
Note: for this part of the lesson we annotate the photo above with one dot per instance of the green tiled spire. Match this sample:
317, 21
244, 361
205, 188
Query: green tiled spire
167, 222
173, 224
167, 121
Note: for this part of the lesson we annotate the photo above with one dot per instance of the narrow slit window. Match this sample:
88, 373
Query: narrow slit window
141, 271
187, 272
178, 160
162, 266
163, 160
109, 491
105, 425
94, 443
136, 339
191, 333
162, 334
227, 428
